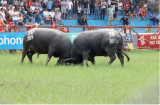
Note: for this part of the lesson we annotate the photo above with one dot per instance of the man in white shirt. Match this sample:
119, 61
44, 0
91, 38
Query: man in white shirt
103, 9
52, 15
15, 16
32, 7
2, 15
38, 5
4, 2
63, 8
45, 15
3, 6
70, 6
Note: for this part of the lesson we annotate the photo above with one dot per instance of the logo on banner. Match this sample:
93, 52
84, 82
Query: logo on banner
142, 40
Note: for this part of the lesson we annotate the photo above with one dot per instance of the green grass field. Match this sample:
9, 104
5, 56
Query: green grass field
136, 82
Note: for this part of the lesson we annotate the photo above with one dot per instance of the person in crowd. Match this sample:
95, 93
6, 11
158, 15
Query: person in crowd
75, 9
31, 16
156, 19
137, 12
15, 16
97, 9
91, 4
130, 2
28, 4
24, 14
70, 6
46, 15
52, 16
37, 16
3, 2
63, 29
79, 11
131, 12
16, 3
126, 11
144, 15
22, 3
145, 6
126, 4
82, 21
44, 2
63, 8
158, 29
89, 29
32, 7
110, 12
115, 15
38, 5
49, 5
7, 16
103, 9
152, 16
116, 7
57, 5
141, 12
85, 8
125, 20
20, 20
3, 6
2, 15
58, 17
2, 28
113, 3
120, 5
149, 29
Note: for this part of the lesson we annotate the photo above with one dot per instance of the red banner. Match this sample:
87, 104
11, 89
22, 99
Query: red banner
149, 41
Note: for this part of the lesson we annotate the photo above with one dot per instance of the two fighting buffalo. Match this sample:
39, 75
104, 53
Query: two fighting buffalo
87, 45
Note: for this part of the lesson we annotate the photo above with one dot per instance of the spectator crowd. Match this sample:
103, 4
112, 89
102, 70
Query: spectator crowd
23, 12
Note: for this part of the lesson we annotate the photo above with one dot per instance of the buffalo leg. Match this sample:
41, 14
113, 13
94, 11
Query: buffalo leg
24, 53
111, 54
59, 62
38, 55
92, 60
85, 58
48, 59
121, 58
50, 54
30, 54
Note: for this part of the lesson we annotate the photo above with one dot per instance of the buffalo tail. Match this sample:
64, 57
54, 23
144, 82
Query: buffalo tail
126, 56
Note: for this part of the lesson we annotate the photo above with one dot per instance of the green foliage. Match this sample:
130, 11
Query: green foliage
97, 84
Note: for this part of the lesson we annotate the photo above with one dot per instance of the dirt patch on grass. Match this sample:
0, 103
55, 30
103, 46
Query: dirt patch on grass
147, 94
7, 84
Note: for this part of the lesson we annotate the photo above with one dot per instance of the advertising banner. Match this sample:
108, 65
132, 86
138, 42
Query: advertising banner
11, 40
15, 40
149, 41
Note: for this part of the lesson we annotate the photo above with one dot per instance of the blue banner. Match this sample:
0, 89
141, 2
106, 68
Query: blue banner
15, 40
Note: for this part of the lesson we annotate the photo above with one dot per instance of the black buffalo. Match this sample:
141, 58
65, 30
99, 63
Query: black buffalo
46, 41
104, 42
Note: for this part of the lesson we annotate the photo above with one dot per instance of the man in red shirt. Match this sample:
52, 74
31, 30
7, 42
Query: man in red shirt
29, 3
57, 5
126, 4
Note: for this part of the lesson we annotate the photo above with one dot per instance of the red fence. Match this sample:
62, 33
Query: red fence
141, 40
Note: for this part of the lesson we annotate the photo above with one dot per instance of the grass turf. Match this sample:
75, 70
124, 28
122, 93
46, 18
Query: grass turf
136, 82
